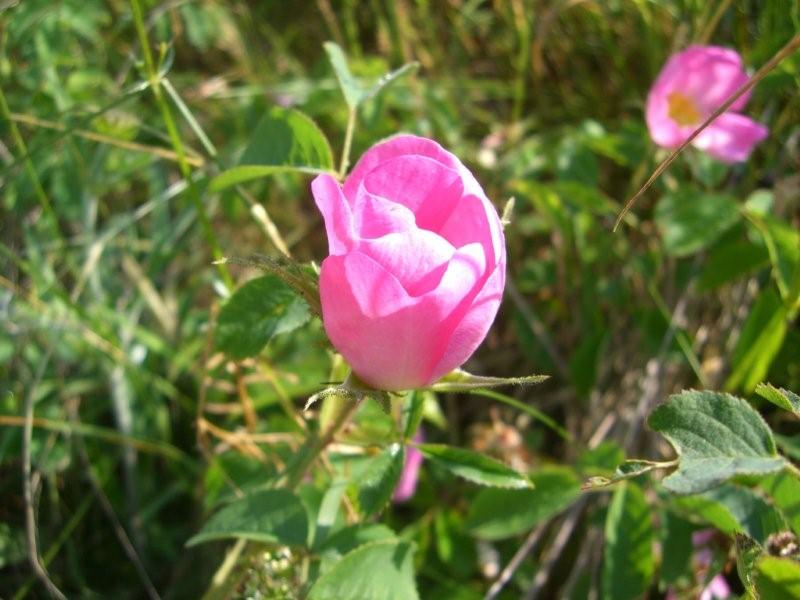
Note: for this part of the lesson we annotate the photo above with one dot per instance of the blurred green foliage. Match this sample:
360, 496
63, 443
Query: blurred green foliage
109, 303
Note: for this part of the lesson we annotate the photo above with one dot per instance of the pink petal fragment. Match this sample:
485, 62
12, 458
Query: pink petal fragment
417, 258
427, 188
470, 331
399, 145
475, 220
731, 137
383, 334
375, 216
407, 484
709, 75
336, 213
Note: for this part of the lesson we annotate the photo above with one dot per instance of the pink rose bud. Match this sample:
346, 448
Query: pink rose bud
689, 88
416, 267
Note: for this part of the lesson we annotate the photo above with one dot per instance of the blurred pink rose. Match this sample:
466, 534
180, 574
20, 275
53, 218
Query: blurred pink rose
689, 88
407, 484
416, 267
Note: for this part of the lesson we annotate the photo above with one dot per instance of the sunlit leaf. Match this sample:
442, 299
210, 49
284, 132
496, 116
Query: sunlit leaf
690, 220
474, 467
260, 309
717, 436
382, 570
285, 140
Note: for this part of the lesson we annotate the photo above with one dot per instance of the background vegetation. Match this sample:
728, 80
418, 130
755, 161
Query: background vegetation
109, 301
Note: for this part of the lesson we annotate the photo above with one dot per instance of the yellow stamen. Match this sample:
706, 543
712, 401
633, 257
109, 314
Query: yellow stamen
682, 109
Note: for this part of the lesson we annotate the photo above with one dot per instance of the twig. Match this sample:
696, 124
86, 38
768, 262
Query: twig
108, 509
521, 554
554, 553
195, 161
790, 47
27, 486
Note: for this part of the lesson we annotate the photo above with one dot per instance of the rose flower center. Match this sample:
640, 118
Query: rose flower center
682, 109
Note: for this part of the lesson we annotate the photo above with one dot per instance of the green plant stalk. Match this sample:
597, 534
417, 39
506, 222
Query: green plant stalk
47, 208
348, 141
177, 144
316, 444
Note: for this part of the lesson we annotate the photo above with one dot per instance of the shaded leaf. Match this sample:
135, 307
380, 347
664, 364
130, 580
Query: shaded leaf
554, 490
285, 140
784, 491
413, 411
382, 570
732, 509
628, 563
474, 467
257, 311
783, 244
269, 516
717, 436
377, 481
759, 342
676, 540
729, 262
690, 220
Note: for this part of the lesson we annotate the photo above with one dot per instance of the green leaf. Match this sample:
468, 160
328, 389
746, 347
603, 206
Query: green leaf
413, 411
729, 262
382, 570
732, 509
377, 481
780, 397
784, 491
348, 539
257, 311
389, 78
778, 578
302, 278
717, 436
284, 140
783, 245
329, 509
554, 490
758, 344
474, 467
690, 220
628, 559
676, 542
353, 90
268, 516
